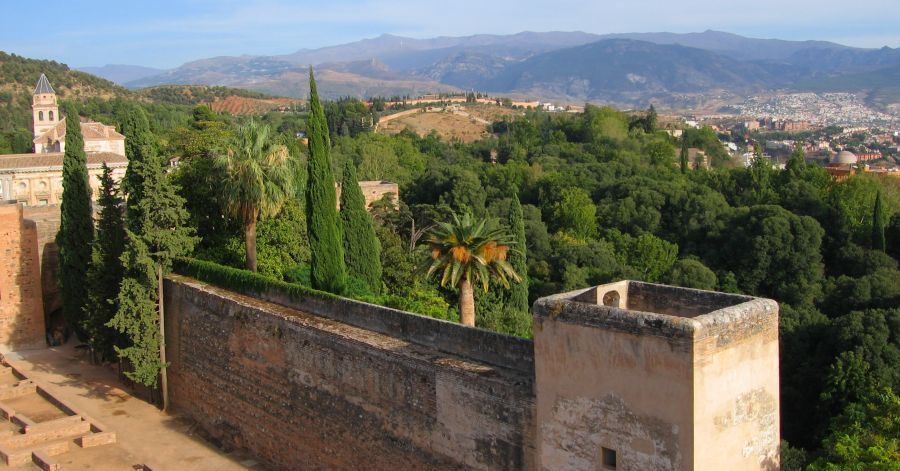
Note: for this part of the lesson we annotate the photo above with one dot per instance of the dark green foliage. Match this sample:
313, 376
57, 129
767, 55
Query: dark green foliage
76, 229
776, 253
518, 293
327, 269
140, 148
156, 233
195, 94
683, 156
892, 237
362, 250
878, 224
692, 273
282, 241
106, 272
348, 117
243, 281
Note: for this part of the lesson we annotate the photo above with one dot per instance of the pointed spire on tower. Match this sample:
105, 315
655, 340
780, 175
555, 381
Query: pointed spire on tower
43, 86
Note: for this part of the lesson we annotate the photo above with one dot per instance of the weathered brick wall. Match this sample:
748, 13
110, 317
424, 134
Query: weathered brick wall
21, 307
304, 391
47, 219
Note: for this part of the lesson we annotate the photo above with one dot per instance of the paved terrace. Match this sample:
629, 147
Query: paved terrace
142, 437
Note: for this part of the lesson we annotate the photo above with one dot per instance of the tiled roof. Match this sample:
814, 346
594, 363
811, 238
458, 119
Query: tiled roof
43, 85
89, 131
54, 159
93, 130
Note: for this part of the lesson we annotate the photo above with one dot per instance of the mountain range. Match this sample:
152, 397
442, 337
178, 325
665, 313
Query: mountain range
629, 69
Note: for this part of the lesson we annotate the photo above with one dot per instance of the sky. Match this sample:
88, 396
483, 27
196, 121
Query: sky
167, 33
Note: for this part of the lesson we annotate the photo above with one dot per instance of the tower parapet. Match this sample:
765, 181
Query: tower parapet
632, 376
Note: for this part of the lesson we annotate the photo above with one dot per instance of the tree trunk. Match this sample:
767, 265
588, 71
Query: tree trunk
250, 239
466, 303
164, 377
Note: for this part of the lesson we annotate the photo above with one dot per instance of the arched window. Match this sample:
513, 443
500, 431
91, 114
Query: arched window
51, 115
40, 115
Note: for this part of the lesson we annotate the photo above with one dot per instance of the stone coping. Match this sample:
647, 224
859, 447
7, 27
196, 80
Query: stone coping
708, 313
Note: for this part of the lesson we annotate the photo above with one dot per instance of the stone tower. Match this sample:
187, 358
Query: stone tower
45, 111
634, 376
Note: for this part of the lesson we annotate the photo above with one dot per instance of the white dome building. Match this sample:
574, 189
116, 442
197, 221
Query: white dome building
844, 158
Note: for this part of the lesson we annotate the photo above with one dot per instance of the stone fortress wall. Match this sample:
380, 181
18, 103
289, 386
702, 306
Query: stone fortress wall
338, 384
626, 376
21, 304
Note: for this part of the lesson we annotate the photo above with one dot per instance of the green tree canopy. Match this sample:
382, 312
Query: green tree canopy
362, 250
76, 229
258, 178
327, 269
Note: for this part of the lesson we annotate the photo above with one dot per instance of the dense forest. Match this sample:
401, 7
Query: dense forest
599, 196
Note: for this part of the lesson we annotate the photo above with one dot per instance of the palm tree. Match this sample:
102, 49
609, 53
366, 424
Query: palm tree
258, 178
465, 253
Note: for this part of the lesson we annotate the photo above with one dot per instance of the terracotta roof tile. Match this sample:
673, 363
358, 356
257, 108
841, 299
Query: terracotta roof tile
54, 159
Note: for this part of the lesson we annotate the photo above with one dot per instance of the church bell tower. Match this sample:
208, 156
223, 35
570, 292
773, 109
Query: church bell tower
45, 111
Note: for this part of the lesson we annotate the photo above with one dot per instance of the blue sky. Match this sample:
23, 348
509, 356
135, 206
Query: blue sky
167, 33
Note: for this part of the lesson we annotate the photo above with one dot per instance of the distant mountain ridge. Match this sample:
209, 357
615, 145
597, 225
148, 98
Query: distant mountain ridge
628, 68
121, 73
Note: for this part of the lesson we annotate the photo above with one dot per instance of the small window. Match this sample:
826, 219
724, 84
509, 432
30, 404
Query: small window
611, 299
51, 115
40, 115
609, 458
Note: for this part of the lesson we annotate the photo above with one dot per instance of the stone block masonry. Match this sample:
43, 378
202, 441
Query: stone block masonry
306, 391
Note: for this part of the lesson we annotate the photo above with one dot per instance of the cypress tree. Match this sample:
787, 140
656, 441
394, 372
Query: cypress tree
684, 154
878, 240
155, 235
139, 148
76, 229
327, 269
105, 274
362, 250
518, 292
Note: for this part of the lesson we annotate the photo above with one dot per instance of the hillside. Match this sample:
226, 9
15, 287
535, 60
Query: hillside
466, 123
618, 69
18, 76
195, 94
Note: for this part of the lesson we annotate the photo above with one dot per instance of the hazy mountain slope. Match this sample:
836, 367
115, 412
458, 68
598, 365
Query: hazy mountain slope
389, 48
548, 65
732, 44
120, 73
616, 68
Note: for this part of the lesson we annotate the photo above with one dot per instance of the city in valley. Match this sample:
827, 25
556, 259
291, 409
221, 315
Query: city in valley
277, 235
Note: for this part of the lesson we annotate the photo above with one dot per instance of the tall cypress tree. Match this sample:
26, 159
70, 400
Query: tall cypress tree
156, 233
105, 274
362, 250
76, 229
518, 292
140, 146
327, 269
878, 223
684, 154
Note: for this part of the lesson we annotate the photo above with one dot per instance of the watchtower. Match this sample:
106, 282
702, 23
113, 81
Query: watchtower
636, 376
